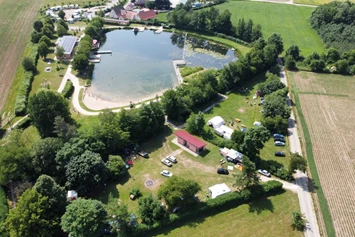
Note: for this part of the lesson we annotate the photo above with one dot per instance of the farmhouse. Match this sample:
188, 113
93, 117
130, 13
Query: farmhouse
68, 43
191, 142
218, 190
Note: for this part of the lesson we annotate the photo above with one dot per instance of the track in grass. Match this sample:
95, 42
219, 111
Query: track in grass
288, 20
16, 24
329, 119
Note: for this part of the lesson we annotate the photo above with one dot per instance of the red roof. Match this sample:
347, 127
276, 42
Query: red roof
190, 139
146, 15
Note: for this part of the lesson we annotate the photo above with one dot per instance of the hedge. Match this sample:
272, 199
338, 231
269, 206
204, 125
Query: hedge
213, 206
3, 212
68, 89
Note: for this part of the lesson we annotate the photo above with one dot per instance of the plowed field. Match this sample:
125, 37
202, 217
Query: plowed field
328, 106
16, 21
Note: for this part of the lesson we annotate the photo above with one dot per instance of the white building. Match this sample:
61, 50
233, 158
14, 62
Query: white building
218, 190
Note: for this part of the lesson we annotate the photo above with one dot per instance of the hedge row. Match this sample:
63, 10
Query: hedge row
231, 38
22, 96
213, 206
68, 89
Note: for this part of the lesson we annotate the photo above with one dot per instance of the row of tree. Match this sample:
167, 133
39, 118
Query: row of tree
334, 23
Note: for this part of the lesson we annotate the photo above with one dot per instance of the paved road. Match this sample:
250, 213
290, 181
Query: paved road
304, 196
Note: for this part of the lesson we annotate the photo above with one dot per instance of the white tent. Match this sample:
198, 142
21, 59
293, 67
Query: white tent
257, 123
218, 190
216, 122
72, 195
226, 129
219, 131
235, 154
227, 136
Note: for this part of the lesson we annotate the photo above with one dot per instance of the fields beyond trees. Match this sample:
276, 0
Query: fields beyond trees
289, 21
327, 106
16, 20
264, 217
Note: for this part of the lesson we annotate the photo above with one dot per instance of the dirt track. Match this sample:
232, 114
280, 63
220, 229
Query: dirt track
16, 21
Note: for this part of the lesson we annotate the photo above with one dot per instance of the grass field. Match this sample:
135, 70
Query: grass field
327, 109
16, 24
289, 21
271, 217
314, 2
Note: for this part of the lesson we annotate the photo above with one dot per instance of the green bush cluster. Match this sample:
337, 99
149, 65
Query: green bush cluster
3, 212
185, 71
68, 89
231, 38
213, 206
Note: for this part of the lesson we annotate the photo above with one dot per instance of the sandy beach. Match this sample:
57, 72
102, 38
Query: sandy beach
95, 103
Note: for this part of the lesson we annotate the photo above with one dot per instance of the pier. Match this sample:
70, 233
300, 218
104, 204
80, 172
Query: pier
104, 52
176, 64
158, 31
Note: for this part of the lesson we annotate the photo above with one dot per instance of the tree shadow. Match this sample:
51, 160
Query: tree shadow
156, 142
261, 205
109, 190
204, 153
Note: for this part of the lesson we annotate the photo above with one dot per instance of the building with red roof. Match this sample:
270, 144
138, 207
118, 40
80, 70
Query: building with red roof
189, 141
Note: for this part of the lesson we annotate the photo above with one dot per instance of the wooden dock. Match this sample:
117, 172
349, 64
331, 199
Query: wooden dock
104, 52
176, 64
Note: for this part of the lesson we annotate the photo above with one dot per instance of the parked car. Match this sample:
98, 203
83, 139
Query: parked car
276, 135
222, 171
166, 162
280, 153
279, 139
172, 159
166, 173
231, 160
264, 172
277, 143
143, 154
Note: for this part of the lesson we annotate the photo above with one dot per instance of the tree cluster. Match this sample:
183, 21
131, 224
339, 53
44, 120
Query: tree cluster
334, 23
247, 31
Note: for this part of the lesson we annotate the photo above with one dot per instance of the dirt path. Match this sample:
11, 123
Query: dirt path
289, 2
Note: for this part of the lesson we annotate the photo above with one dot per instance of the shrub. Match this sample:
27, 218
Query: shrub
136, 192
21, 100
68, 89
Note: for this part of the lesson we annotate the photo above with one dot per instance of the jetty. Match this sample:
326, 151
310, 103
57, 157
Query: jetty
158, 31
176, 64
94, 58
104, 52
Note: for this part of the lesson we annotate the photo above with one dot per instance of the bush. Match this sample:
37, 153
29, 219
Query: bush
185, 71
136, 192
68, 89
3, 213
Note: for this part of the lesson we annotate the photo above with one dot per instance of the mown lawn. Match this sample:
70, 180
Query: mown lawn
289, 21
265, 217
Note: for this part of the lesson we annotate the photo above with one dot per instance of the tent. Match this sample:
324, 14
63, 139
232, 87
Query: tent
72, 195
218, 190
219, 131
235, 155
227, 136
257, 124
224, 151
216, 122
226, 129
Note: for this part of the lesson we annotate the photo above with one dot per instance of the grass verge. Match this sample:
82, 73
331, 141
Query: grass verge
312, 165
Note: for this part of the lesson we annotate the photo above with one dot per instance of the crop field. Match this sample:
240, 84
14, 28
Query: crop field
16, 20
272, 217
328, 108
289, 21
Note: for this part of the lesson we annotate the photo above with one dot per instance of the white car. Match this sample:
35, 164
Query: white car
166, 173
172, 159
166, 162
264, 172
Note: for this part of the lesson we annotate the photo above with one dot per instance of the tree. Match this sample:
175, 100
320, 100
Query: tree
63, 23
248, 176
342, 66
275, 39
28, 64
37, 25
91, 31
84, 218
195, 123
43, 49
116, 167
35, 36
173, 105
46, 40
298, 221
238, 136
276, 124
254, 140
61, 30
317, 65
29, 216
274, 105
48, 30
43, 107
224, 23
86, 172
294, 52
61, 14
178, 191
63, 130
333, 55
43, 155
100, 13
162, 4
80, 62
151, 210
297, 162
59, 52
290, 63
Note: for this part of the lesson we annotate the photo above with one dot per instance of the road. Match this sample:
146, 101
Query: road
301, 179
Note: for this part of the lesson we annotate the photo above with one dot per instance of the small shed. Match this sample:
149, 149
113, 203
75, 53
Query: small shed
189, 141
216, 122
218, 190
72, 195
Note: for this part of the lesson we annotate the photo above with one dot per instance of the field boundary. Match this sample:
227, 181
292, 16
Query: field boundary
327, 218
320, 93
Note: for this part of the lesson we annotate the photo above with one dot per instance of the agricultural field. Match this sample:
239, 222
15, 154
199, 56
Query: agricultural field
265, 217
16, 24
313, 2
327, 105
289, 21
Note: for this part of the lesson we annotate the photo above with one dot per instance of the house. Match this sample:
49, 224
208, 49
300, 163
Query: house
189, 141
72, 195
140, 2
130, 6
218, 190
146, 15
118, 13
135, 14
68, 42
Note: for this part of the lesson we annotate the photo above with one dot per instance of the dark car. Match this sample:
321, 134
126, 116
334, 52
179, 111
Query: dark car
231, 160
279, 139
280, 153
143, 154
222, 171
278, 135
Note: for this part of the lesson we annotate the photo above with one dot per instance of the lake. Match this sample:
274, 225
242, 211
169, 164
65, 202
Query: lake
140, 66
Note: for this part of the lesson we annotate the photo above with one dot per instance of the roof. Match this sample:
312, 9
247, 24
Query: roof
216, 121
146, 15
119, 10
218, 190
235, 154
67, 42
190, 139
